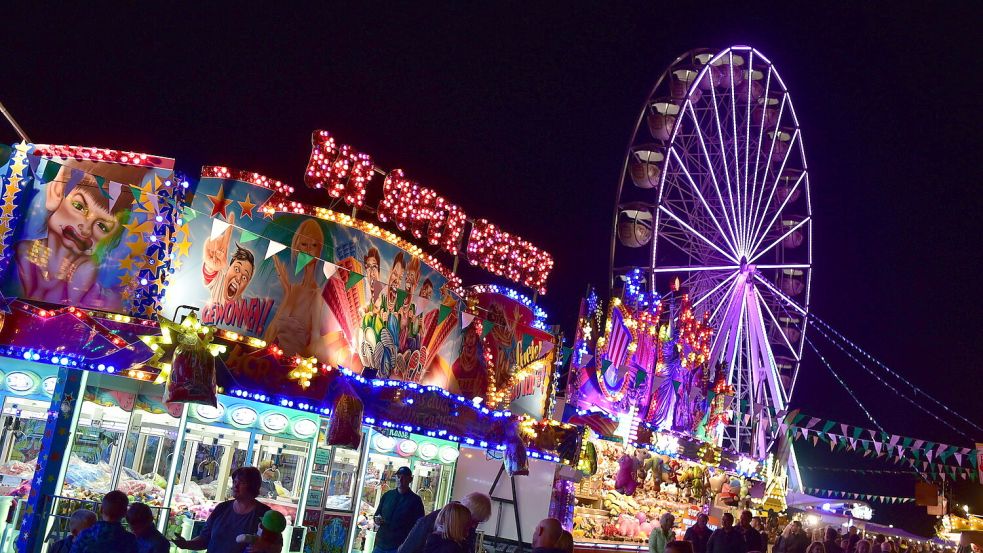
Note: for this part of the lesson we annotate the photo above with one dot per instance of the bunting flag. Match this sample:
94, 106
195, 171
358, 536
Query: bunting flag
466, 320
605, 363
526, 341
302, 260
274, 248
218, 227
837, 494
443, 312
486, 327
353, 279
246, 236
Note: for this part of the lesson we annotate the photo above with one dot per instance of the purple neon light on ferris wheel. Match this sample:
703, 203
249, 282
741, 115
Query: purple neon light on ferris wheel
714, 190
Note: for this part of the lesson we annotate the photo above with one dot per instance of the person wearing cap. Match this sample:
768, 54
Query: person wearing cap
398, 511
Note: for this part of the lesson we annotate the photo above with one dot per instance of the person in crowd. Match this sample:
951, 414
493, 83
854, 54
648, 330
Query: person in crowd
398, 511
565, 543
878, 541
751, 537
863, 546
108, 534
239, 515
726, 538
831, 541
141, 521
845, 544
546, 536
81, 519
759, 524
659, 537
679, 547
699, 534
478, 504
798, 540
451, 529
816, 547
854, 536
889, 546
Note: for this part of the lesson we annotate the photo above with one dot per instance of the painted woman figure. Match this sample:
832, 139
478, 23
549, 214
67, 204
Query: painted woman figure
298, 319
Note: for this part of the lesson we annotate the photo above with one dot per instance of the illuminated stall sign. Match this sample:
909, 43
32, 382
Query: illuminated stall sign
314, 284
513, 363
91, 228
420, 211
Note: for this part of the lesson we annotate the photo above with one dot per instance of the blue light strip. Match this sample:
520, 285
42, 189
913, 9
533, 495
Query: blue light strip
539, 316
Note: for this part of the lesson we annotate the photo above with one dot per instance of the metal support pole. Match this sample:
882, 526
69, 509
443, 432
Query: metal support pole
13, 123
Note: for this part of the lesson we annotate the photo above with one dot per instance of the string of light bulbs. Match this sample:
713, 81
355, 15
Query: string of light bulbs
893, 372
845, 387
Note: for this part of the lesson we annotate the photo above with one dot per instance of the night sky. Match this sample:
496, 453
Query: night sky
521, 115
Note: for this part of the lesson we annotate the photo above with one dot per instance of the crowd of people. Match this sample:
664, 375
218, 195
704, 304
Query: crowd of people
245, 525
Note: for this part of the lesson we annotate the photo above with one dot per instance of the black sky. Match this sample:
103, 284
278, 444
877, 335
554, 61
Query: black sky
521, 114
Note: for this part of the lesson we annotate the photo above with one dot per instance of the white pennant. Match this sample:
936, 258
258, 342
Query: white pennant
466, 319
959, 458
114, 188
274, 248
329, 269
218, 227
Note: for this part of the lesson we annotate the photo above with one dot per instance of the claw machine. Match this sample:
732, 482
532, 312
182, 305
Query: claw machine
330, 507
432, 460
238, 433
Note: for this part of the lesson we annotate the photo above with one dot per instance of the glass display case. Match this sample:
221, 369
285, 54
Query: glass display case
237, 433
432, 461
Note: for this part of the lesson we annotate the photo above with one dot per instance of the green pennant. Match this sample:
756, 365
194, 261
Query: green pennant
400, 299
247, 236
917, 453
827, 426
302, 260
798, 418
565, 354
907, 441
929, 446
640, 378
973, 458
605, 364
189, 214
137, 193
856, 432
443, 312
675, 385
526, 342
353, 279
865, 444
486, 327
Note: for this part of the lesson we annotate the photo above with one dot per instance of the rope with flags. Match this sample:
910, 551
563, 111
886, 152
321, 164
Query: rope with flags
836, 494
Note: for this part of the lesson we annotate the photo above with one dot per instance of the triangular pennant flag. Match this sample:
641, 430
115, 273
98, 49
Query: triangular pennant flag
832, 445
274, 248
565, 354
844, 429
815, 440
218, 227
813, 421
329, 269
189, 214
247, 236
353, 279
857, 431
526, 342
302, 260
442, 313
828, 425
137, 194
486, 327
877, 447
467, 319
400, 299
605, 363
959, 458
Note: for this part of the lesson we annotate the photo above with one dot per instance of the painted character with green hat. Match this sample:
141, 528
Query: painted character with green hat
268, 538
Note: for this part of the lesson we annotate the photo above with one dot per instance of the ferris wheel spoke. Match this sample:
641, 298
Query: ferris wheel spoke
780, 209
782, 266
720, 285
713, 175
723, 157
694, 269
774, 187
774, 380
699, 194
779, 239
747, 132
771, 150
761, 134
779, 293
696, 233
778, 325
735, 139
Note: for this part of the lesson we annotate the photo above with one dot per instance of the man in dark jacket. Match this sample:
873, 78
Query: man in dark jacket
751, 537
699, 534
398, 511
796, 542
726, 539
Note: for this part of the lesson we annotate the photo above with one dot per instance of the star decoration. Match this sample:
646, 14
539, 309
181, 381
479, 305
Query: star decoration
247, 207
126, 263
183, 248
219, 203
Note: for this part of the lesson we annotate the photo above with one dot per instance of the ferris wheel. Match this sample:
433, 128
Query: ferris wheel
714, 191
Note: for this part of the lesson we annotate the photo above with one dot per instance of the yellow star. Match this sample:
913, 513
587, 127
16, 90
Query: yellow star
183, 248
15, 181
137, 247
8, 208
17, 164
125, 280
126, 263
